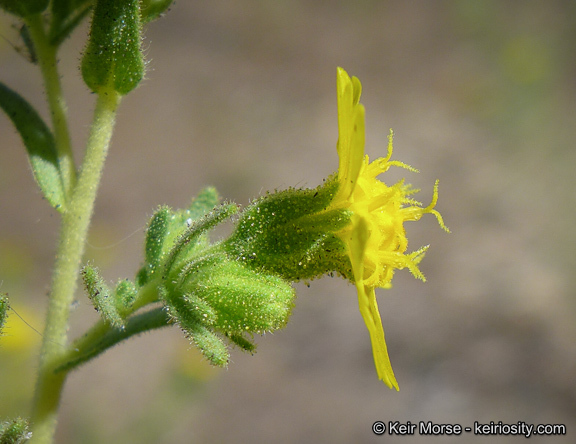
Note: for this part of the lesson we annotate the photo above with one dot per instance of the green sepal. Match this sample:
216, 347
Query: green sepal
113, 58
24, 8
291, 233
39, 143
124, 295
101, 296
14, 432
4, 306
66, 15
153, 9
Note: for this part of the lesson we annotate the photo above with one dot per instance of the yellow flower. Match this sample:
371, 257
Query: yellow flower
375, 240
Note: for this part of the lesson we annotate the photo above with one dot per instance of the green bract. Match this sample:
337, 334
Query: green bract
209, 293
291, 233
205, 291
113, 58
217, 295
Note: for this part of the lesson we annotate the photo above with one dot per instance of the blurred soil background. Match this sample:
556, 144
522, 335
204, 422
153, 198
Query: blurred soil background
241, 95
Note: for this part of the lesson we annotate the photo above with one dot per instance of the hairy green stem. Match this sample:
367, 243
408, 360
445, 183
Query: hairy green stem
103, 336
73, 233
46, 54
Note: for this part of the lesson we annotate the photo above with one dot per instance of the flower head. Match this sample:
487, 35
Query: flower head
375, 239
352, 224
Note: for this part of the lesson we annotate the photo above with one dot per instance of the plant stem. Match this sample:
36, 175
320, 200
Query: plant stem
46, 54
74, 229
102, 336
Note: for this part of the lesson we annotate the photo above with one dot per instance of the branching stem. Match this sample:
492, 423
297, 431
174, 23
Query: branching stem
73, 233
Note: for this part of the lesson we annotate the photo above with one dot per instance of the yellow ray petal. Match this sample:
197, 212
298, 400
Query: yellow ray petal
351, 131
368, 305
369, 310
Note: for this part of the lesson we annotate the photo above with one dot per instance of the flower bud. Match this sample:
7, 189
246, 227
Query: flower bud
113, 58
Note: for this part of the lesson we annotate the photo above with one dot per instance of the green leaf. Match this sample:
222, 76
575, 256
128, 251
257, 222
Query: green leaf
39, 143
66, 15
28, 43
113, 57
24, 8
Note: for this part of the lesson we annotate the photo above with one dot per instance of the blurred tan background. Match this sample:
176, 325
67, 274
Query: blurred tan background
241, 95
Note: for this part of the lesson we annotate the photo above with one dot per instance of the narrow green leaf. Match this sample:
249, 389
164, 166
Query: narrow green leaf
66, 15
27, 40
39, 143
24, 8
